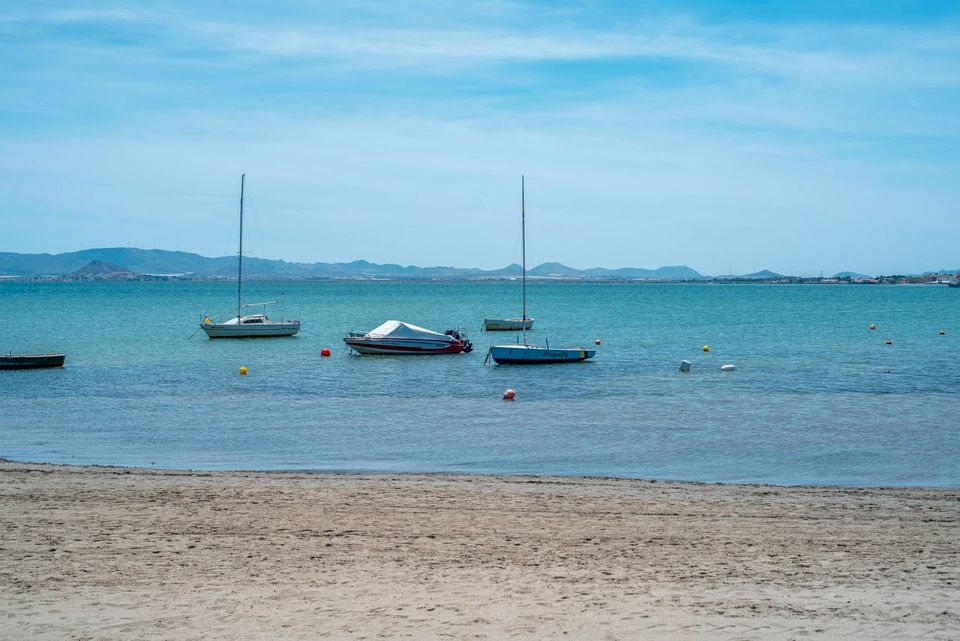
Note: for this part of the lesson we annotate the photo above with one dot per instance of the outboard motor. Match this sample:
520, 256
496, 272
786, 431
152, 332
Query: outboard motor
467, 345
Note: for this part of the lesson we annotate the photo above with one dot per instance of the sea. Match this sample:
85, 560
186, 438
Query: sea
817, 397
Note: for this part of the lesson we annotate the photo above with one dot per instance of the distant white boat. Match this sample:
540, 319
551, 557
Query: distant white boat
523, 323
251, 325
507, 324
522, 353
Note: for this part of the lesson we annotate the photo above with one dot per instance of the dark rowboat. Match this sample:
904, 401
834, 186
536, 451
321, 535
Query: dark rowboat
30, 361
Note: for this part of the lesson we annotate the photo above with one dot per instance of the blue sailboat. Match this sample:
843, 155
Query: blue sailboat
521, 353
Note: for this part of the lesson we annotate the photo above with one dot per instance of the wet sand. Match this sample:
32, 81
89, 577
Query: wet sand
114, 553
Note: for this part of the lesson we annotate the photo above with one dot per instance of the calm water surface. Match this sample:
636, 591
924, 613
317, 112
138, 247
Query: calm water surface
816, 397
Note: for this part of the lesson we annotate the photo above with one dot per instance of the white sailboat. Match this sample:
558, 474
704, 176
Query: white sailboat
521, 353
251, 325
523, 323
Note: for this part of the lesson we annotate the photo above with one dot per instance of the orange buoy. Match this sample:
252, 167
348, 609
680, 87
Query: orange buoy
872, 326
325, 351
509, 395
243, 370
888, 342
596, 341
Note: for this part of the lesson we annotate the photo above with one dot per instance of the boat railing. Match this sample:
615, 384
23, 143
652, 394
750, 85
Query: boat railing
270, 302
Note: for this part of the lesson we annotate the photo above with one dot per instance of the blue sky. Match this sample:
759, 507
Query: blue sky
730, 137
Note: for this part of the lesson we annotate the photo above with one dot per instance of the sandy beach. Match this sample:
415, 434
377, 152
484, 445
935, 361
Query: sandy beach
114, 553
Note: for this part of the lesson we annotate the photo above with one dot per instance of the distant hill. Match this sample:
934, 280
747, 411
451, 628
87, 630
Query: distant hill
558, 270
676, 272
160, 261
850, 275
555, 270
763, 274
96, 268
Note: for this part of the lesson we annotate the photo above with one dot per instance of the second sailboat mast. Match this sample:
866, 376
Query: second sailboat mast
240, 253
523, 245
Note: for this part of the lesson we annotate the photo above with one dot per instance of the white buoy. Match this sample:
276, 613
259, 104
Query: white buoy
727, 368
684, 366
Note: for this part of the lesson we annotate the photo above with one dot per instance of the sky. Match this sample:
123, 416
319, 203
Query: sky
801, 137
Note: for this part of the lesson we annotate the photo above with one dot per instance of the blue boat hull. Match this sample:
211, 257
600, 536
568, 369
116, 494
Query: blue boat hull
529, 355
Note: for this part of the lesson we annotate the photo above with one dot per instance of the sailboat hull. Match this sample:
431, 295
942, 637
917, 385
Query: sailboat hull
507, 324
531, 355
266, 330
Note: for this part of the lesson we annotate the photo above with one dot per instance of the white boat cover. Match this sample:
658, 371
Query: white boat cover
399, 329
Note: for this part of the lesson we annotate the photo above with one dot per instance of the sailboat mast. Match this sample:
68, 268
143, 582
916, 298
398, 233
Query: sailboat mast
523, 245
240, 253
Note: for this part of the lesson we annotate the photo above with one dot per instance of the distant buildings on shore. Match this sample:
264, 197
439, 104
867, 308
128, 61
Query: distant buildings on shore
127, 276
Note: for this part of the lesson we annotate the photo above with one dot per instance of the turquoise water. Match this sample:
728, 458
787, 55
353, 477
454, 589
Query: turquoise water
816, 397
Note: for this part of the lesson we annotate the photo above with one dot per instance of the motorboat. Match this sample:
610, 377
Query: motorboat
31, 361
251, 325
523, 323
398, 337
523, 354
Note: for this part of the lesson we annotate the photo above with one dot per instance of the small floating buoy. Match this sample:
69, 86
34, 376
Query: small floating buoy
509, 395
325, 351
888, 342
684, 366
596, 341
706, 348
727, 368
941, 332
243, 370
872, 326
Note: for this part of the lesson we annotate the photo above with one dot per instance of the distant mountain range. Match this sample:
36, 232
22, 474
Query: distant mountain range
128, 263
162, 262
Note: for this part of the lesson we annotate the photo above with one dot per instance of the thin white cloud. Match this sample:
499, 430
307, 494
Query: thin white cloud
68, 16
389, 47
817, 54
